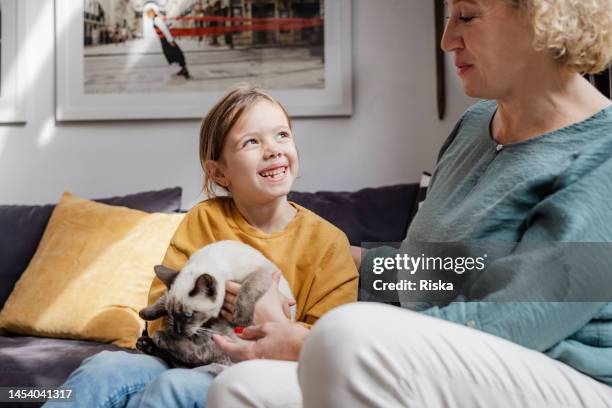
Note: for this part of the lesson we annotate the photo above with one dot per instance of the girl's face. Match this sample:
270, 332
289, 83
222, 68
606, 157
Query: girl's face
259, 161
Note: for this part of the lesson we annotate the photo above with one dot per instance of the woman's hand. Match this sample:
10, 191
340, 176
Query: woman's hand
273, 306
274, 341
357, 254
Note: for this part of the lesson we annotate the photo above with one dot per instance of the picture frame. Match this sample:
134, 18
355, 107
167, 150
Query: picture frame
12, 61
75, 100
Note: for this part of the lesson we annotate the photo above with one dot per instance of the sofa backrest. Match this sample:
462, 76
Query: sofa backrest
379, 214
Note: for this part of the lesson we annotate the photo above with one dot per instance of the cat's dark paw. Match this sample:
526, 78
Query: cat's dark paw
146, 345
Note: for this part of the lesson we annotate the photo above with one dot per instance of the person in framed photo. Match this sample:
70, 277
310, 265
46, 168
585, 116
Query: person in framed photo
172, 51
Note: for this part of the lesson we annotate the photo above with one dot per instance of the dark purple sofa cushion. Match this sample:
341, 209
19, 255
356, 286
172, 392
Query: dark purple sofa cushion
379, 214
22, 227
40, 362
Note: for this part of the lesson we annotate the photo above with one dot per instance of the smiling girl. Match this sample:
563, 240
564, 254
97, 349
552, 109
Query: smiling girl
248, 151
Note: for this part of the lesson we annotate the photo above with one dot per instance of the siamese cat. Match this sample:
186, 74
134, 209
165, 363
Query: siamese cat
194, 298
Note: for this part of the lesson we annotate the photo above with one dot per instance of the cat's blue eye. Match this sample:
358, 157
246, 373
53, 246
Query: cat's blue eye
187, 315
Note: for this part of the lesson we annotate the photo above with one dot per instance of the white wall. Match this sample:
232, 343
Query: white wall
393, 134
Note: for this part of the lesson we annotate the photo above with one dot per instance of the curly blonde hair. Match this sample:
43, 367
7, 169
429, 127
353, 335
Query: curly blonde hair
578, 33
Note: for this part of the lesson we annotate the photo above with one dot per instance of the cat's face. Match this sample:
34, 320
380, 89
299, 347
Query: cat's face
191, 304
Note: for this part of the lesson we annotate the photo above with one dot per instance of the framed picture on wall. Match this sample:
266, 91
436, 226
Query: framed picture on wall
12, 66
159, 59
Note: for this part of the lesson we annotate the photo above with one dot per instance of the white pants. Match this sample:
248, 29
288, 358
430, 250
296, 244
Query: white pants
371, 355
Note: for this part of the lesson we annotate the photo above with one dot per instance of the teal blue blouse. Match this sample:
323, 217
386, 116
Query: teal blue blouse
553, 188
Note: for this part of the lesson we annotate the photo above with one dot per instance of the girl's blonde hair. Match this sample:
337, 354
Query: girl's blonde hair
221, 119
578, 33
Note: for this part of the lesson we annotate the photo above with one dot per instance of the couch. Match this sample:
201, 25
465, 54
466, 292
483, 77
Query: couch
370, 215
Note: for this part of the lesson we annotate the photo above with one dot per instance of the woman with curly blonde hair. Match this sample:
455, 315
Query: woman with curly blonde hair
531, 163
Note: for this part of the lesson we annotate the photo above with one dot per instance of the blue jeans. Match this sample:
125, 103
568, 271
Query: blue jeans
120, 379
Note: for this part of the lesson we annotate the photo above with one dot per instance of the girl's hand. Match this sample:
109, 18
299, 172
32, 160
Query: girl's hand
229, 302
273, 306
274, 341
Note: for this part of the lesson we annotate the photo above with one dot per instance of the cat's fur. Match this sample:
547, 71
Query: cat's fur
199, 289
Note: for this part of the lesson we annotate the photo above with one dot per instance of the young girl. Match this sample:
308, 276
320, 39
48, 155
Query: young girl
246, 149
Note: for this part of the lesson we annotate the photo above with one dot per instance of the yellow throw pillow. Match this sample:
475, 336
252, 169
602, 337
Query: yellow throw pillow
91, 273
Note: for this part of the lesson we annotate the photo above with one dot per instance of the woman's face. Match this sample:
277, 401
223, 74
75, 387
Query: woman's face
492, 44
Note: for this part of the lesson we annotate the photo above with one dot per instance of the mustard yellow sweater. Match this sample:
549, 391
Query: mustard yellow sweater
313, 255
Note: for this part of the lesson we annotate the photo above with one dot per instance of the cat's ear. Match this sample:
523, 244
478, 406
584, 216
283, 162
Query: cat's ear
165, 274
205, 284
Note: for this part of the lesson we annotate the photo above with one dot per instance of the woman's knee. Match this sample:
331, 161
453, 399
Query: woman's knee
335, 342
353, 327
362, 346
256, 383
229, 385
348, 329
344, 337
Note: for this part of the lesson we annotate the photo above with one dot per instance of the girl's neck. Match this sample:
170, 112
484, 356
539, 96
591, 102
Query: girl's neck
546, 107
270, 217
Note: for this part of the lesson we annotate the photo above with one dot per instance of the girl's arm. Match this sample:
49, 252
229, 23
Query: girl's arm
335, 279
